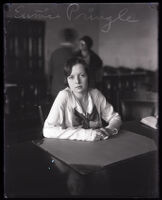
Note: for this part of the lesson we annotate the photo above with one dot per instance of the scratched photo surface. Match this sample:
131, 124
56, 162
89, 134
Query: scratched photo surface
125, 37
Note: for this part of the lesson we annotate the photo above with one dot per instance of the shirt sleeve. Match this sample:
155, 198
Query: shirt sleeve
108, 114
54, 125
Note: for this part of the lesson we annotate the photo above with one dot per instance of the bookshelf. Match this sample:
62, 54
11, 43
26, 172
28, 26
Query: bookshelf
24, 77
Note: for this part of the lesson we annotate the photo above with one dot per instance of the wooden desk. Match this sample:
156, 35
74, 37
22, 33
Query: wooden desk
87, 159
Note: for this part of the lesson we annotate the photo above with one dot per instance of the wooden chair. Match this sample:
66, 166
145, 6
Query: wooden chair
139, 104
43, 112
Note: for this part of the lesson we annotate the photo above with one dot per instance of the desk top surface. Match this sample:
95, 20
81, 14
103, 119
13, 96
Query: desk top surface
97, 154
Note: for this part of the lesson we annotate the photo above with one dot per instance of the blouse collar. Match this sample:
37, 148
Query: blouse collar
78, 107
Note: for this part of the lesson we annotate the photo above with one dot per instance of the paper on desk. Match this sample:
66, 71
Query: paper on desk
150, 121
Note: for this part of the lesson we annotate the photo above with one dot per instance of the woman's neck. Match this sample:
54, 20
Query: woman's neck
85, 53
81, 96
82, 100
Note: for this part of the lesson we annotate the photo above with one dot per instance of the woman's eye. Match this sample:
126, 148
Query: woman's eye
82, 75
70, 77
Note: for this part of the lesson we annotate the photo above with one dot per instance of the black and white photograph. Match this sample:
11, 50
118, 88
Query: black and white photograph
81, 114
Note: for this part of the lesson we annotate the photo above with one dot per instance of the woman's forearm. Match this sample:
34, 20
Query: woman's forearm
69, 133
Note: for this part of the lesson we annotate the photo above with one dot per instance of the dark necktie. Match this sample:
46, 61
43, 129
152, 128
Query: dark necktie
84, 120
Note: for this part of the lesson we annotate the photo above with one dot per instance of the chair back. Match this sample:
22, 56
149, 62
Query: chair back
139, 104
43, 112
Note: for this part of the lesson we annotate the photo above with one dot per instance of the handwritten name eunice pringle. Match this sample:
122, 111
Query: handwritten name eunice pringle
73, 13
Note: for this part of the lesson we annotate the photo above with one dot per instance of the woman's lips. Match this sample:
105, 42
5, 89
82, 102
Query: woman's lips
78, 87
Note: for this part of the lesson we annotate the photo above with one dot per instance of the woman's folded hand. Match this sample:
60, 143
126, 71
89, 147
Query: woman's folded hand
100, 135
104, 133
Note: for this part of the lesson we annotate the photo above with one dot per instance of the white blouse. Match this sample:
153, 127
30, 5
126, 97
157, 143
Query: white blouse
67, 120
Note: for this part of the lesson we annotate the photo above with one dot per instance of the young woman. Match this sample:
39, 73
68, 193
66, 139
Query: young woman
78, 110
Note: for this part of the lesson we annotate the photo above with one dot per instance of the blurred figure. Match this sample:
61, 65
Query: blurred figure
93, 60
58, 59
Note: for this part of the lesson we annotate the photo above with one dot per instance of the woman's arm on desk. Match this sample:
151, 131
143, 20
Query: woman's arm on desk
70, 133
109, 115
54, 126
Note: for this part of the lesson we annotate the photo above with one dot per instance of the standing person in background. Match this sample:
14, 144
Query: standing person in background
93, 60
58, 59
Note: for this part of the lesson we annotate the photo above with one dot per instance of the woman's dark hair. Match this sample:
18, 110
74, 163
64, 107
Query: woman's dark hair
88, 40
69, 34
69, 65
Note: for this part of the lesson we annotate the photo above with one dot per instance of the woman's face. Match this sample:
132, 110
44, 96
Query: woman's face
82, 45
78, 79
